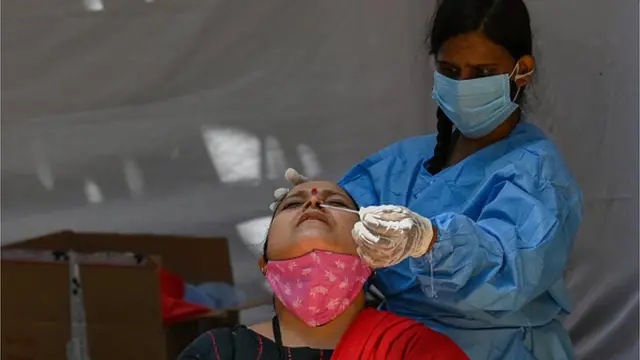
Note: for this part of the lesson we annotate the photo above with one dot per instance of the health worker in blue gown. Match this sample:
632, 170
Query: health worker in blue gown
470, 229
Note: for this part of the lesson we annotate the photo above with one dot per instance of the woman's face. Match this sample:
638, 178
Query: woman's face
301, 226
473, 55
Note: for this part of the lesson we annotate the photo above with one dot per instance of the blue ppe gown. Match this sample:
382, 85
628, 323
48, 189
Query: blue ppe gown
506, 218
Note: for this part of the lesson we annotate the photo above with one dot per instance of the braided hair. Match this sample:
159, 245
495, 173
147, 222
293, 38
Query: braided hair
443, 145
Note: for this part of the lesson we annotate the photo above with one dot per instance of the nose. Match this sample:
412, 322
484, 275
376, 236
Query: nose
465, 74
314, 201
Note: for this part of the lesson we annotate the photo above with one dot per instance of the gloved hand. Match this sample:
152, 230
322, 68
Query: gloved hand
292, 176
388, 234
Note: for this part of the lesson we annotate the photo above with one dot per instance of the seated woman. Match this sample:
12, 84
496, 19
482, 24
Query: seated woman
311, 263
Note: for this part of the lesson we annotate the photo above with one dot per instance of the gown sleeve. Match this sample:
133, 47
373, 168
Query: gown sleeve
514, 251
509, 245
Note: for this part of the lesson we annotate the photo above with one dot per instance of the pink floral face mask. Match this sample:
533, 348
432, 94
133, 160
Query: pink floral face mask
318, 286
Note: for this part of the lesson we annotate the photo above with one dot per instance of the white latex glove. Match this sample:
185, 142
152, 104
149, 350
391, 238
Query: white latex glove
388, 234
292, 176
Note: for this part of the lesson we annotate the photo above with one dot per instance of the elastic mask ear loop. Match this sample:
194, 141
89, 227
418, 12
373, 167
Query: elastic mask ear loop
517, 77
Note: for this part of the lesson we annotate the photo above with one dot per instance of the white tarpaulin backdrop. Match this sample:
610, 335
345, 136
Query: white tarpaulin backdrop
180, 116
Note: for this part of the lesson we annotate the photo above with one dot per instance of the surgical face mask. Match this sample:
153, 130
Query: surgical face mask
318, 286
477, 106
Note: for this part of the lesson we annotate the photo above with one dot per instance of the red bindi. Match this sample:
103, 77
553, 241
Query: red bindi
314, 191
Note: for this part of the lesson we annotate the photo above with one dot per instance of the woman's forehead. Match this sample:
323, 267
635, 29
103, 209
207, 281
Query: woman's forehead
472, 49
321, 186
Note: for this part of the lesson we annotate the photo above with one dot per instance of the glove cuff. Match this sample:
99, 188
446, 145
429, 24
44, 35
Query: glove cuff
426, 238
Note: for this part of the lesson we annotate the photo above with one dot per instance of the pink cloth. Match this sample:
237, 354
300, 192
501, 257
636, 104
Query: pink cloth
318, 286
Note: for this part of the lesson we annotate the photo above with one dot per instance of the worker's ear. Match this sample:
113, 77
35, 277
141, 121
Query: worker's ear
526, 66
262, 263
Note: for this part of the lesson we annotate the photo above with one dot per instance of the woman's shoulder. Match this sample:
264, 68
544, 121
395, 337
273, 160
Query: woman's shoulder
405, 338
389, 322
218, 344
214, 344
430, 344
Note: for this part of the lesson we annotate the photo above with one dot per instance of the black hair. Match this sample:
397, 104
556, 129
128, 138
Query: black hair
266, 239
504, 22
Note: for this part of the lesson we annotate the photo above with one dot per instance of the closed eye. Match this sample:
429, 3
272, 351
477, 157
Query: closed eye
291, 204
338, 203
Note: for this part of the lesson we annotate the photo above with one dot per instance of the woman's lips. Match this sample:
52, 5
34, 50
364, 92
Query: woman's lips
313, 215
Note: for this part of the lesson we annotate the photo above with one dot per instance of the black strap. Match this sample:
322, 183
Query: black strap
277, 336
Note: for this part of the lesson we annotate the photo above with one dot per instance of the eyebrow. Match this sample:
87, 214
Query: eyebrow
442, 62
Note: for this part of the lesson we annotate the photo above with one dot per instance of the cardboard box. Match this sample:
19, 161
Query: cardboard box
122, 303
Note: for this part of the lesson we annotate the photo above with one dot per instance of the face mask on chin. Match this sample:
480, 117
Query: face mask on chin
318, 286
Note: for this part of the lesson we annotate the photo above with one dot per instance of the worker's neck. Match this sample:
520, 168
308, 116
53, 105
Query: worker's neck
296, 333
496, 135
464, 147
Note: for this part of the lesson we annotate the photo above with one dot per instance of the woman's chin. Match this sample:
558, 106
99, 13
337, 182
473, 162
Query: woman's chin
312, 236
307, 244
